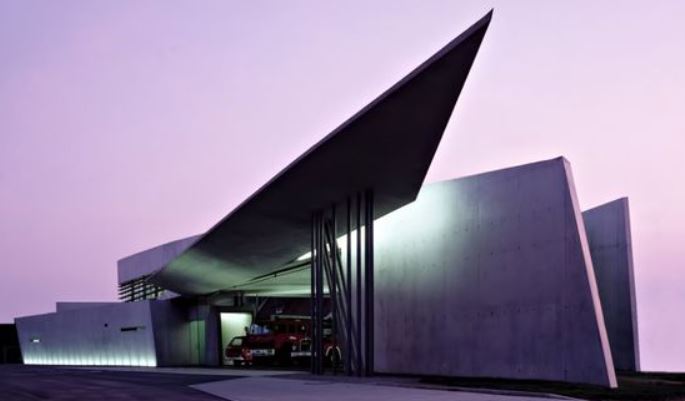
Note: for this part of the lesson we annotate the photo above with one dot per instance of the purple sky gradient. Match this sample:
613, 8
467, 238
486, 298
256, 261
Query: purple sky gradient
127, 124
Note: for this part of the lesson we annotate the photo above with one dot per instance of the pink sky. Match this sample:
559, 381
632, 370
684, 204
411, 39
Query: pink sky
127, 124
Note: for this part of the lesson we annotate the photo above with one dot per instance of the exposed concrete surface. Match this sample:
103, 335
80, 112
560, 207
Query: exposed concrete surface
491, 275
269, 388
608, 231
151, 260
483, 276
173, 332
117, 334
181, 335
65, 306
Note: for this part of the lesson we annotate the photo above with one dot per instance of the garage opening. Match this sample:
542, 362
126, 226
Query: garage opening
233, 327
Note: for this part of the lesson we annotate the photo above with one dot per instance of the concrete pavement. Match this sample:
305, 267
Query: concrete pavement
289, 389
33, 383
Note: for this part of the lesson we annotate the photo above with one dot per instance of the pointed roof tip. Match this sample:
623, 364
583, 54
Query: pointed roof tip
482, 23
228, 253
479, 26
485, 20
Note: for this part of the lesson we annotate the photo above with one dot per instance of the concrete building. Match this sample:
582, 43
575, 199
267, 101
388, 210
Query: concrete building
489, 276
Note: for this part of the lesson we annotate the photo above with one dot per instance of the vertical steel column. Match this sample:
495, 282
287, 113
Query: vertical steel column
333, 286
359, 284
312, 294
327, 269
368, 253
348, 293
320, 294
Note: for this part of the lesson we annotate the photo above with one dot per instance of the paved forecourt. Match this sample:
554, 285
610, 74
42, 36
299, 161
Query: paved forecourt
289, 389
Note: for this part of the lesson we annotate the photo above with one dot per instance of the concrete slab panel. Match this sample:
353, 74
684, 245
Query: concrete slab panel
608, 231
151, 260
491, 275
119, 334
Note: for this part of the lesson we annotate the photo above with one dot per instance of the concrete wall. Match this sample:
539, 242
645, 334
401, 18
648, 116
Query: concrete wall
175, 332
151, 260
491, 276
186, 333
90, 336
65, 306
608, 231
174, 344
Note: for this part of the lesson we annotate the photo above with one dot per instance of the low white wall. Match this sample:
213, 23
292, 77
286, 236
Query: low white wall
90, 336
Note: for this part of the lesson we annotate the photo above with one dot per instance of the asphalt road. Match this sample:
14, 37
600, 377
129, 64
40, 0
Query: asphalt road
20, 382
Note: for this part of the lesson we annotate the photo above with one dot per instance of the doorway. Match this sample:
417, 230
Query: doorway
232, 324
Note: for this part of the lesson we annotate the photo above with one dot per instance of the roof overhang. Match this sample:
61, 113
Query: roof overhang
388, 147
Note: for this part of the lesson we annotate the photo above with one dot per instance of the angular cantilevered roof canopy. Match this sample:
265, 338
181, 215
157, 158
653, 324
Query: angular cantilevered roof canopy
387, 147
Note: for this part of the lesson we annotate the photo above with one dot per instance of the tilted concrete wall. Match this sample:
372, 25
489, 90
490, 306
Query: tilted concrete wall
186, 333
491, 276
608, 231
90, 336
174, 343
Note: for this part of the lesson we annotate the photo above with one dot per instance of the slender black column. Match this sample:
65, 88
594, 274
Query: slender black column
368, 253
320, 294
359, 285
312, 296
348, 307
348, 293
333, 285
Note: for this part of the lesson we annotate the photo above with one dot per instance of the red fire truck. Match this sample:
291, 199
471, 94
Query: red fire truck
282, 341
